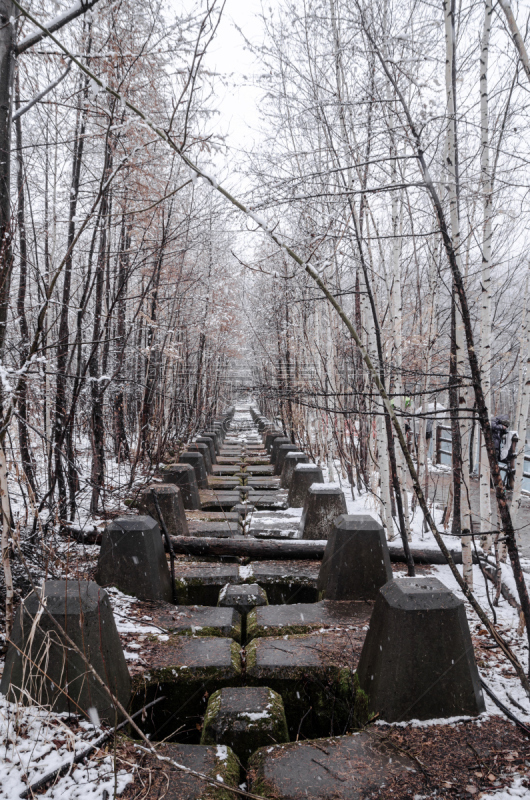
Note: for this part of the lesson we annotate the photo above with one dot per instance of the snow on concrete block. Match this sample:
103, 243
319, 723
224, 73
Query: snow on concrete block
304, 476
417, 660
171, 507
183, 476
356, 561
133, 559
82, 609
323, 504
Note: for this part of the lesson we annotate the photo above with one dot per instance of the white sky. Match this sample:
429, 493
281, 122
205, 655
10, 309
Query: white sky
237, 99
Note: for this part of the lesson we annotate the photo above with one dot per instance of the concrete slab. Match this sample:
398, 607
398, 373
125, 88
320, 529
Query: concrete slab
286, 581
221, 530
198, 620
352, 767
316, 687
200, 584
219, 763
298, 618
185, 670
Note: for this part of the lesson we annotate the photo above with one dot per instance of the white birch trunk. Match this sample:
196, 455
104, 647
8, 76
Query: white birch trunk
485, 316
467, 560
523, 402
6, 536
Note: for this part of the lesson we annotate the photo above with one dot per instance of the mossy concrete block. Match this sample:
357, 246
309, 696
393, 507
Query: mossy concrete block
304, 476
83, 610
299, 618
186, 670
218, 763
200, 583
133, 559
353, 767
198, 621
417, 660
170, 504
210, 441
196, 460
323, 504
183, 476
278, 441
243, 597
292, 458
317, 691
286, 581
281, 454
245, 719
356, 560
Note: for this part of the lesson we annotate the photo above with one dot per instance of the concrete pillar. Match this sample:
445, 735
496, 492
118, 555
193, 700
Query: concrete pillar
197, 462
323, 504
292, 458
270, 436
356, 561
417, 660
83, 610
204, 450
171, 507
209, 439
132, 558
280, 456
183, 476
304, 476
279, 440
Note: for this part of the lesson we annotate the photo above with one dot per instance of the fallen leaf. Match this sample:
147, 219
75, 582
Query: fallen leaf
471, 789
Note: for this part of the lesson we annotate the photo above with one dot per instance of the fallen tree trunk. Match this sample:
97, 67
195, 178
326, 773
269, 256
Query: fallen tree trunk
282, 549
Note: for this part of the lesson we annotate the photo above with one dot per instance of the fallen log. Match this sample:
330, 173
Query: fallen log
284, 549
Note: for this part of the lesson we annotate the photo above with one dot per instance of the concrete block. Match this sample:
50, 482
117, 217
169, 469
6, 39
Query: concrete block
198, 620
132, 558
245, 719
304, 476
352, 767
170, 504
323, 504
186, 670
356, 560
217, 434
209, 439
287, 581
292, 458
200, 583
204, 450
83, 610
197, 462
218, 763
279, 440
298, 618
183, 476
270, 436
243, 597
417, 661
280, 456
316, 688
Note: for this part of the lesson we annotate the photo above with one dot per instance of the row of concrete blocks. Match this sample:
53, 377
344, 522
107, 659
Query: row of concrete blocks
418, 644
